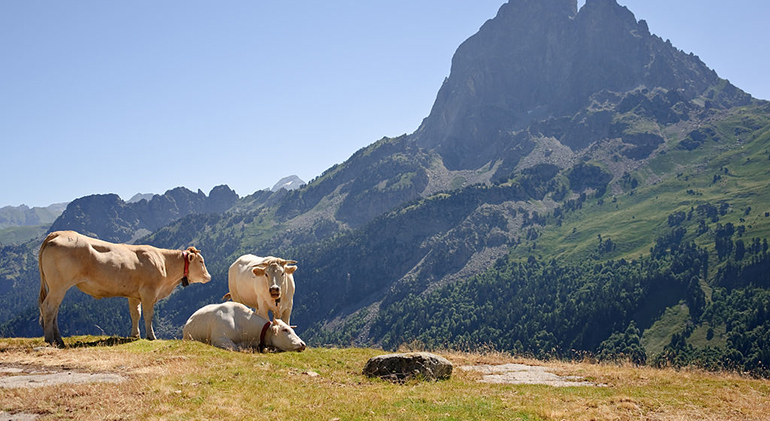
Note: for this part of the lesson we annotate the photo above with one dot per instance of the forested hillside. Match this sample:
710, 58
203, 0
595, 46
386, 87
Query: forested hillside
682, 262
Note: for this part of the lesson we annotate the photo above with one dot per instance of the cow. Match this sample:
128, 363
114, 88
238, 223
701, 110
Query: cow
143, 274
265, 283
236, 327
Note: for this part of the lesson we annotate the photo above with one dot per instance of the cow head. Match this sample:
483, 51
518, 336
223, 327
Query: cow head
275, 270
284, 338
197, 271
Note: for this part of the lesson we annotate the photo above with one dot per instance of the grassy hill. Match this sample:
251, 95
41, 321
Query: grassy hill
730, 166
172, 379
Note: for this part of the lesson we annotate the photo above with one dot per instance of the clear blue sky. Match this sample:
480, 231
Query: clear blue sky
143, 96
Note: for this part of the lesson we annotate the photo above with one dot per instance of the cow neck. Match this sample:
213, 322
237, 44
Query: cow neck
262, 343
185, 281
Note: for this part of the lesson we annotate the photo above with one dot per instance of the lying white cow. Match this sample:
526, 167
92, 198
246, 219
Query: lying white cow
234, 326
265, 283
143, 274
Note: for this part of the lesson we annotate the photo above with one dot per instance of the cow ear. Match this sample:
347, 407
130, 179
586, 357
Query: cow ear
190, 257
259, 271
290, 269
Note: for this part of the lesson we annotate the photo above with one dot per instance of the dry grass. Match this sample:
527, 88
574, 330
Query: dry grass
170, 380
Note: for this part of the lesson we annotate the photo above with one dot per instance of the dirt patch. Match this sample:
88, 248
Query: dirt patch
524, 374
5, 416
37, 376
23, 376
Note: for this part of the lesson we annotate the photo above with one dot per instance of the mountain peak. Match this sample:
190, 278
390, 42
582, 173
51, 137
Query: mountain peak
141, 196
289, 183
529, 7
540, 59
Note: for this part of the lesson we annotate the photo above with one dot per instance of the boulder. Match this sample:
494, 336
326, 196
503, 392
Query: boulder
413, 365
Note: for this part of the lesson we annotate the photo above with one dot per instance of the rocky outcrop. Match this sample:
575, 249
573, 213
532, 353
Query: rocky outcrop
414, 365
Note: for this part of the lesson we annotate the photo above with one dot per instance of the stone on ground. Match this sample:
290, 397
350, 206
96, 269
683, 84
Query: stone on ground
407, 366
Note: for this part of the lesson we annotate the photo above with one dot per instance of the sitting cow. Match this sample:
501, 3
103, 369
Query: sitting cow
234, 326
143, 274
265, 283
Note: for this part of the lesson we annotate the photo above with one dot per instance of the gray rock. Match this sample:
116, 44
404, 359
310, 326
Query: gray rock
413, 365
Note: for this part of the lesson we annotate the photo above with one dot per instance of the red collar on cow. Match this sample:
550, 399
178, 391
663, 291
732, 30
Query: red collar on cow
262, 343
185, 281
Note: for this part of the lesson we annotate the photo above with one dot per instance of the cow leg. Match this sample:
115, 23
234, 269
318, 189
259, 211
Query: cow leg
148, 310
225, 343
50, 310
285, 313
134, 306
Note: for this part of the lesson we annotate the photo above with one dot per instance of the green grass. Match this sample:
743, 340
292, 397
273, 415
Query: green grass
659, 335
176, 380
684, 179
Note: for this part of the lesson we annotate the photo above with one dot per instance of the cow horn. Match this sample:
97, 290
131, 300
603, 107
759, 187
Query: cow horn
288, 262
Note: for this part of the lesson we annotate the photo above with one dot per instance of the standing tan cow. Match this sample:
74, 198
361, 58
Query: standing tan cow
143, 274
265, 283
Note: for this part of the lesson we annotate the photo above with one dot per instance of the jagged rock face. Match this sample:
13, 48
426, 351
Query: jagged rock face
539, 59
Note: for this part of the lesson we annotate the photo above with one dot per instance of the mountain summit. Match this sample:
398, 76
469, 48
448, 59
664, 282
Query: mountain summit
291, 182
540, 59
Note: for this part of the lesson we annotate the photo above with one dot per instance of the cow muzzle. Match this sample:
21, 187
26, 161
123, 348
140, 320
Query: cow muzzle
275, 292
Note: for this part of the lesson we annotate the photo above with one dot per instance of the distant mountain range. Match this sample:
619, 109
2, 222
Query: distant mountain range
19, 224
110, 218
20, 216
580, 186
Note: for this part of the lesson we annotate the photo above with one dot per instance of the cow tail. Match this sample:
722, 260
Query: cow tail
43, 282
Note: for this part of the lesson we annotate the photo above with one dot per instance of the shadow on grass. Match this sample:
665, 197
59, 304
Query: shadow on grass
111, 341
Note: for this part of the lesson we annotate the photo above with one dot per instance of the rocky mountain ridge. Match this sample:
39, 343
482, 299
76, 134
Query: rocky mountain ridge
108, 217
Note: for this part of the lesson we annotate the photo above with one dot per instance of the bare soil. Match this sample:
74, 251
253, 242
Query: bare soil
524, 374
